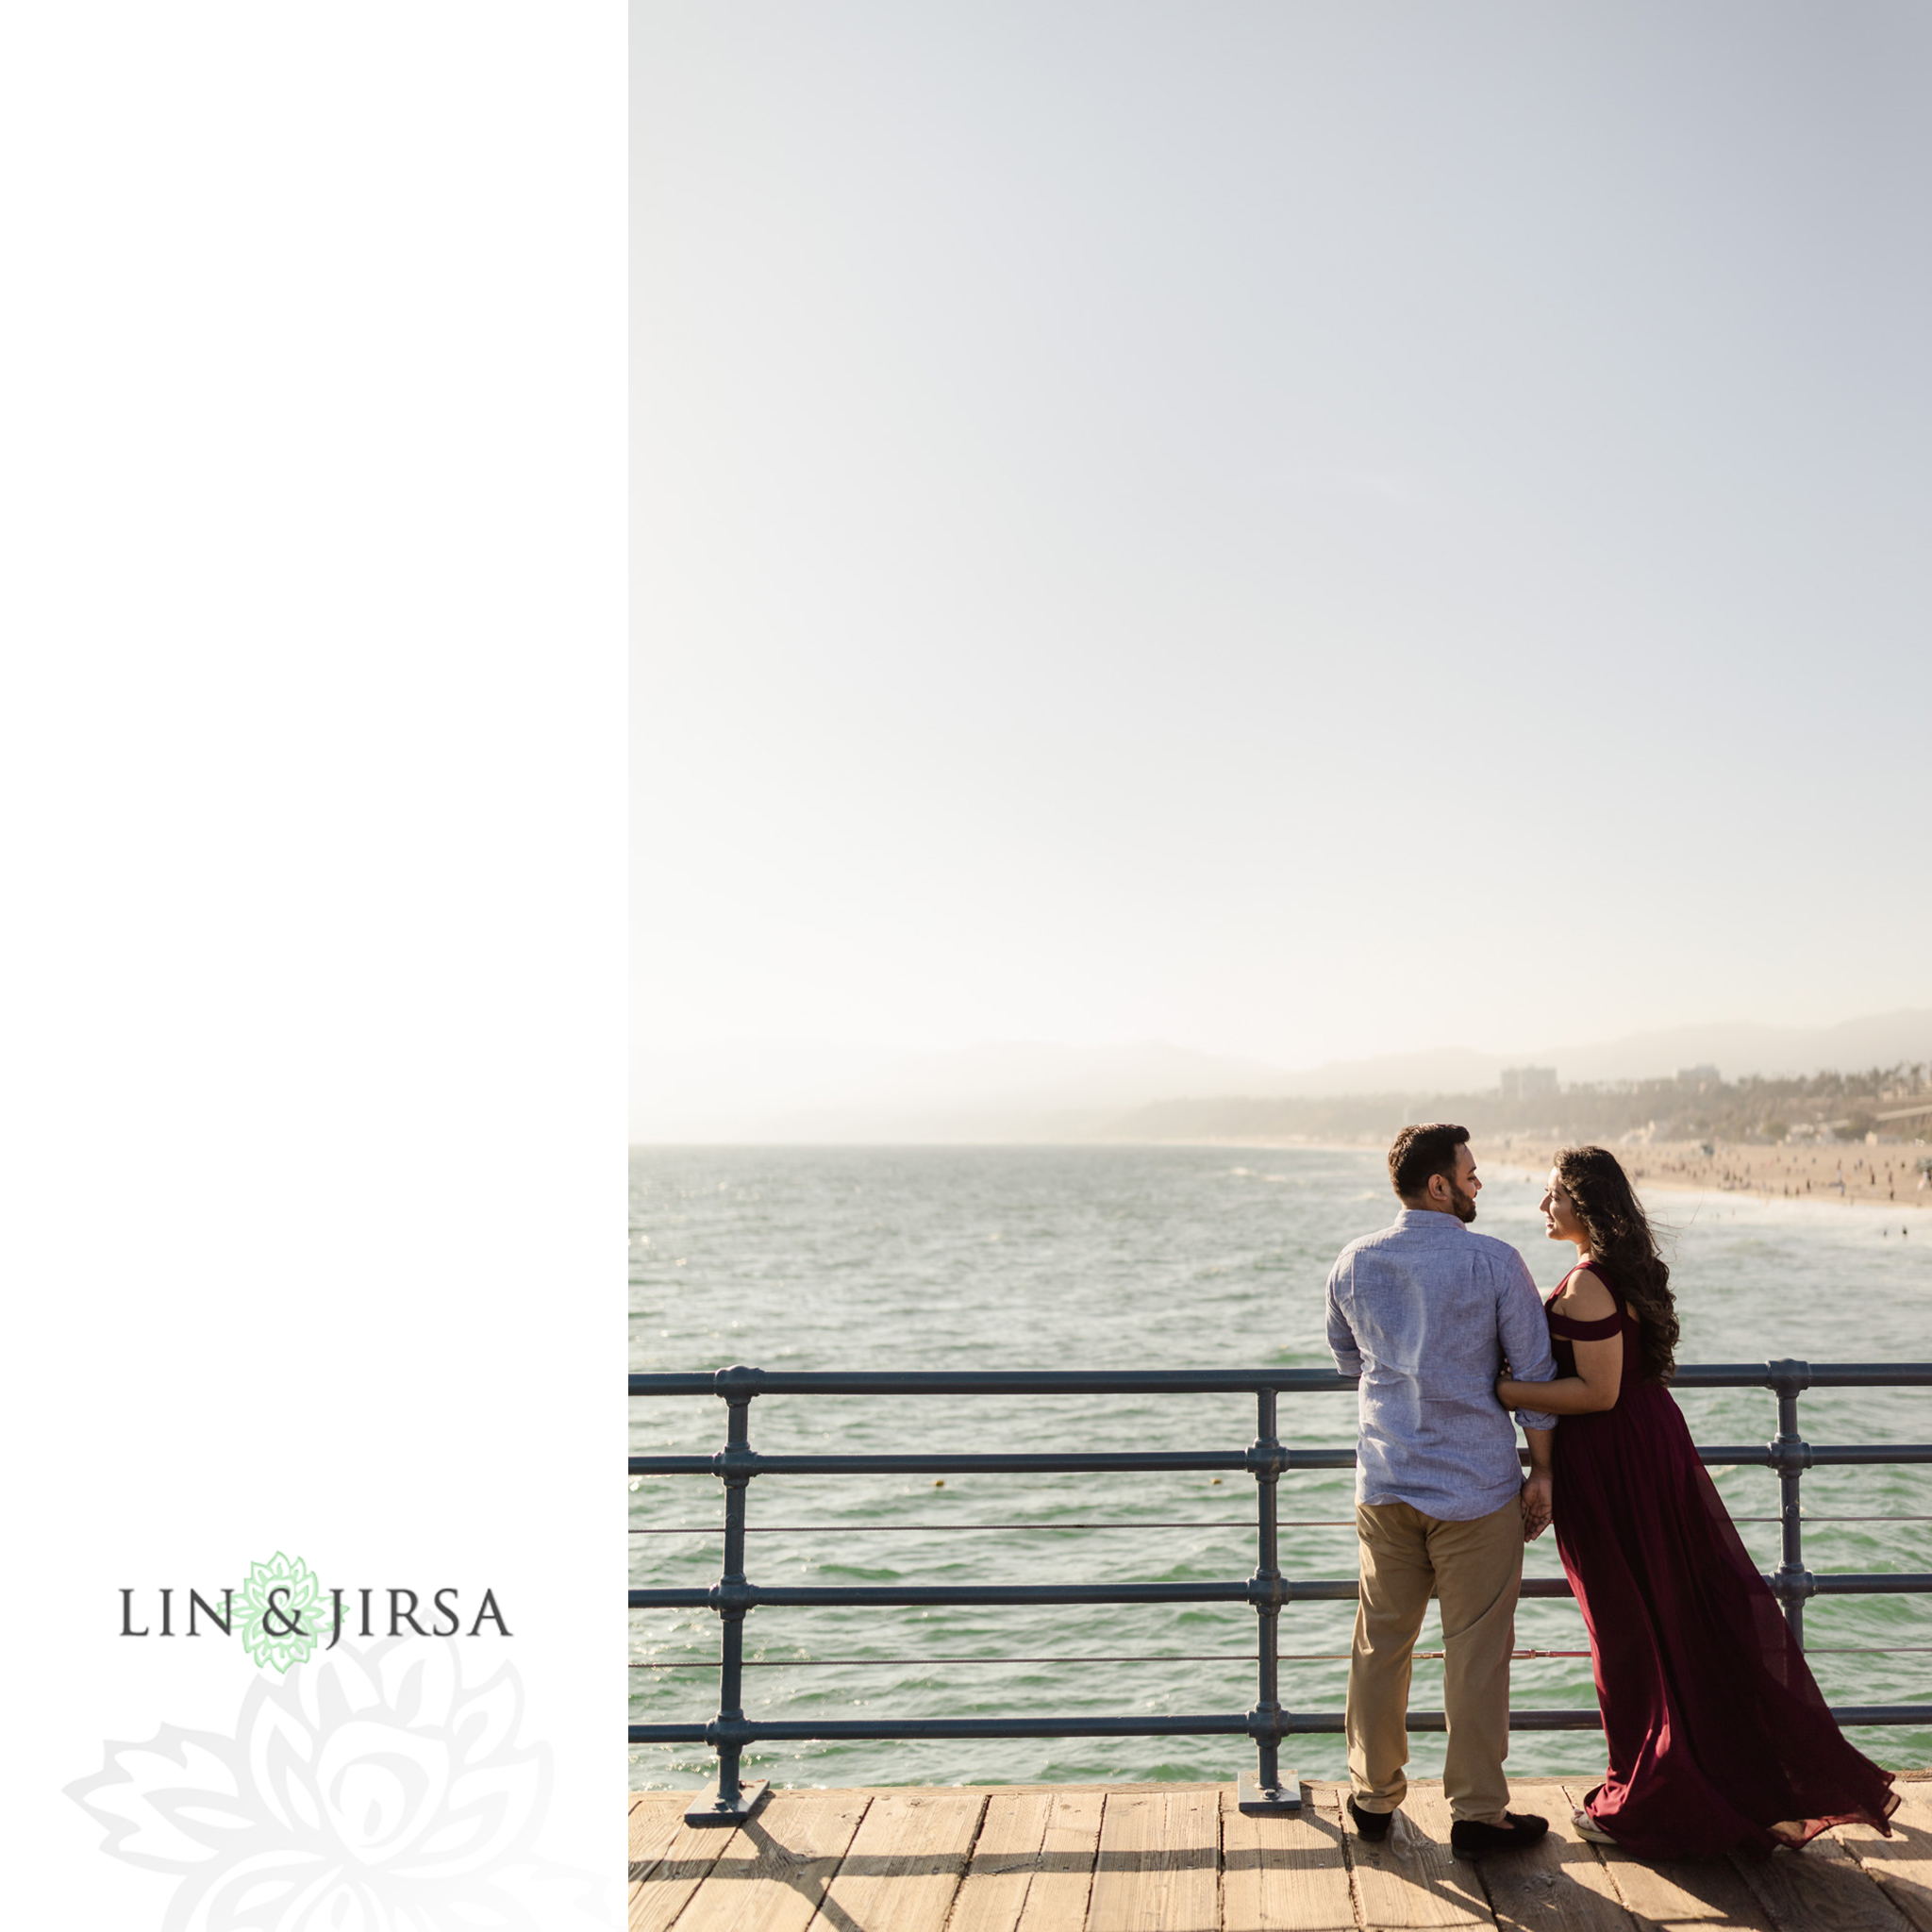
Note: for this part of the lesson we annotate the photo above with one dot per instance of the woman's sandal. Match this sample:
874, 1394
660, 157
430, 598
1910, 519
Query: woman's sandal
1588, 1827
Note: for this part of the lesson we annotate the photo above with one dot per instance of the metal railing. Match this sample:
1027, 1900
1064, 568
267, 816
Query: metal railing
1265, 1458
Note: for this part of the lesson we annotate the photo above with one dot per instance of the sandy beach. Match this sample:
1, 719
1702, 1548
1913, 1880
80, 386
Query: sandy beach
1832, 1173
1852, 1173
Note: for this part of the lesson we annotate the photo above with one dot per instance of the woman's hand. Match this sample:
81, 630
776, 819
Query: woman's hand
1506, 1392
1538, 1504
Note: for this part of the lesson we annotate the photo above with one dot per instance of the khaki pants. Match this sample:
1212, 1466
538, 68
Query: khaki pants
1476, 1569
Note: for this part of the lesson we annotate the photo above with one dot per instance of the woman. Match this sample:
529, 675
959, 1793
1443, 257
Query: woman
1718, 1736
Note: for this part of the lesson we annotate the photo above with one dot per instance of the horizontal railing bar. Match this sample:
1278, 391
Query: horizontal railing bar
1216, 1657
750, 1463
1819, 1375
753, 1595
1152, 1657
1246, 1522
1869, 1583
740, 1382
1224, 1724
1219, 1725
1247, 1589
795, 1595
1160, 1657
990, 1382
1215, 1523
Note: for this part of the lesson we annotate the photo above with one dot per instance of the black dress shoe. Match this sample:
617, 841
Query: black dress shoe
1469, 1838
1371, 1824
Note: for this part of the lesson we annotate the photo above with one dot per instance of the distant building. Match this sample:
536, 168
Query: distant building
1529, 1083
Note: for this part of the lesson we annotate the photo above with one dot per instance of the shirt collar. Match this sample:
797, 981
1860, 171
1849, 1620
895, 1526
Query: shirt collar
1421, 1219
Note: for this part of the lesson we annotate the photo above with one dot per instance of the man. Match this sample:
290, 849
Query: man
1427, 1312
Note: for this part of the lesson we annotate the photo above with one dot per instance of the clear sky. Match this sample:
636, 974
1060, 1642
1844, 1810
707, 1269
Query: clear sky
1298, 531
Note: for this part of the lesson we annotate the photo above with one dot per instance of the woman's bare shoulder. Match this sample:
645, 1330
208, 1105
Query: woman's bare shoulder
1586, 1296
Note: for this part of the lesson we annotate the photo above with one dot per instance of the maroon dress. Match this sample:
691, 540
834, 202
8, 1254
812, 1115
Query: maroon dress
1718, 1736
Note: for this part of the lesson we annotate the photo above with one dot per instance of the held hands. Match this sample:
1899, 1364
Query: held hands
1538, 1504
1539, 1491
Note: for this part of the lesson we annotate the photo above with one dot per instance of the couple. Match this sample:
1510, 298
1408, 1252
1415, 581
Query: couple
1717, 1737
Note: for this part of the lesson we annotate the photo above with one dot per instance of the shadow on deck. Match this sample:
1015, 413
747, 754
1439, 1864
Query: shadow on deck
1181, 1859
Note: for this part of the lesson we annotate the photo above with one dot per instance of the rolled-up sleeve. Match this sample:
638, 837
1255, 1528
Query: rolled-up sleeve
1342, 1342
1524, 1331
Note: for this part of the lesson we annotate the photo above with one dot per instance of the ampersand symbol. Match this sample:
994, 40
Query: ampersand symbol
292, 1625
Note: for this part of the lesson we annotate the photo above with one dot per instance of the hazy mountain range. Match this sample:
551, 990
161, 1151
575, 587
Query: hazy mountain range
1027, 1091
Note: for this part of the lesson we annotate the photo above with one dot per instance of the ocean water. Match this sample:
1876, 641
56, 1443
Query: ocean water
1131, 1258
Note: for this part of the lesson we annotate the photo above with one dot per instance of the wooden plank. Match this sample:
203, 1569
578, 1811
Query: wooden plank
1903, 1862
992, 1894
670, 1860
1822, 1889
905, 1863
1286, 1875
1033, 1863
1456, 1879
772, 1873
654, 1821
1695, 1894
1056, 1899
1558, 1885
1159, 1864
1410, 1879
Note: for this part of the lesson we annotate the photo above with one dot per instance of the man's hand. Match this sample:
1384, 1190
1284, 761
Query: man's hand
1538, 1504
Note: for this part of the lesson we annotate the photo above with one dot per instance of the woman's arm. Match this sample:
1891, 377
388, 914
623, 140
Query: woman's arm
1599, 1374
1594, 1387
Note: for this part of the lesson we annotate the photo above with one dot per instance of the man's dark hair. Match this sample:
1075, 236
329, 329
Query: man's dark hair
1419, 1152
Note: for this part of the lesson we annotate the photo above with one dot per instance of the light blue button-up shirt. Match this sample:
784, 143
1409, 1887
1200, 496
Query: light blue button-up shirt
1425, 1312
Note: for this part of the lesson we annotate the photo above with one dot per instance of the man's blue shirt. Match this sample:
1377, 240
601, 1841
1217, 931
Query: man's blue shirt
1427, 1311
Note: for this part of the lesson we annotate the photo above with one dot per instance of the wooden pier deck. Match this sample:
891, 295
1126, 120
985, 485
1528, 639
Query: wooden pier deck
1178, 1858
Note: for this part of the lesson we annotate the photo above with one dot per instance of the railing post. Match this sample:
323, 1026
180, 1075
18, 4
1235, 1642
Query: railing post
1268, 1791
733, 1800
1791, 1456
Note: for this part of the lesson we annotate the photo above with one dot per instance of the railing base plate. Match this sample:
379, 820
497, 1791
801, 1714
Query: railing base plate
714, 1810
1268, 1800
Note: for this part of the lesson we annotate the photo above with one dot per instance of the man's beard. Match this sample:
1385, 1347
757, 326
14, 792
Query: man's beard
1463, 1204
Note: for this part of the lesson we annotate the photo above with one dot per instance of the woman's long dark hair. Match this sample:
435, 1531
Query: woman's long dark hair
1621, 1244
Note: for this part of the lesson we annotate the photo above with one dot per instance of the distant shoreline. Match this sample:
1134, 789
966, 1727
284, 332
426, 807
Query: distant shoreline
1835, 1174
1884, 1176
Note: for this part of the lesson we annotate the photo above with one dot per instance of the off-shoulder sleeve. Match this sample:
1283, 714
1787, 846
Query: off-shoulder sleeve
1574, 1330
